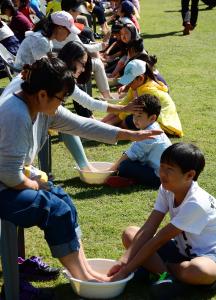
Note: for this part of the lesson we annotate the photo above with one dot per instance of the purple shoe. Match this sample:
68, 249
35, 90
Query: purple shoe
29, 292
34, 269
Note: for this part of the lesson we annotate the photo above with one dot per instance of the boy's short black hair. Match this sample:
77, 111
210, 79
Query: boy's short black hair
151, 104
186, 156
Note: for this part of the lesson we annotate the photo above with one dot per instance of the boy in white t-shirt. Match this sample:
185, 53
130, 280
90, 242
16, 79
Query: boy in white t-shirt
185, 247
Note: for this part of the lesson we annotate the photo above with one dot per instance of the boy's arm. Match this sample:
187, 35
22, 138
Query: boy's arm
145, 233
117, 163
148, 248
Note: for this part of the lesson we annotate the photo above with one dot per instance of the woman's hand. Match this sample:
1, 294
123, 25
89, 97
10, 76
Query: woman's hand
133, 108
140, 135
41, 184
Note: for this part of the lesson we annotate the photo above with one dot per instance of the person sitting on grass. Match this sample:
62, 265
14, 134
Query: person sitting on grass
140, 76
129, 35
19, 23
142, 160
184, 250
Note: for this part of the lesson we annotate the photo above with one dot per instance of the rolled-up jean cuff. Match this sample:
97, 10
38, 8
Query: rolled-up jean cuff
62, 250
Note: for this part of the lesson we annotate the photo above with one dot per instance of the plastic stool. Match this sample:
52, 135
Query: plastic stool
11, 239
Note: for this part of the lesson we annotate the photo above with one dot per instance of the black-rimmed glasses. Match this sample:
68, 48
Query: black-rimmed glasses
62, 100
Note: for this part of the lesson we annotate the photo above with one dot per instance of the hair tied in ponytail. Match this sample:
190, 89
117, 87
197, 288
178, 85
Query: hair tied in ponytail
26, 73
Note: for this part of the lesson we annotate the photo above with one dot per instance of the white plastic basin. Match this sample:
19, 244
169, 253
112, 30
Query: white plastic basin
98, 177
98, 290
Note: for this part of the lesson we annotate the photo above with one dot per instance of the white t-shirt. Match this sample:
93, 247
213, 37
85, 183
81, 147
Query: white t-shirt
33, 47
5, 31
196, 216
72, 37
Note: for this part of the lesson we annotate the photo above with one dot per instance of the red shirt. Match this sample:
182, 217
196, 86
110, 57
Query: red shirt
26, 10
19, 25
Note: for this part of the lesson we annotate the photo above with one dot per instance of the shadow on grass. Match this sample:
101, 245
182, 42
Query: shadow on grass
160, 35
96, 191
137, 290
133, 291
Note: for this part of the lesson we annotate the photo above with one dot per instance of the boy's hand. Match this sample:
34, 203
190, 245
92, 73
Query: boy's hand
122, 89
115, 269
119, 275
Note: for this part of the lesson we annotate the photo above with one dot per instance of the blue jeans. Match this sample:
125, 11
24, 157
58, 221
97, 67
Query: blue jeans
52, 211
144, 174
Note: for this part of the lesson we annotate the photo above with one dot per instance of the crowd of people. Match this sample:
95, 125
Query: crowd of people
57, 57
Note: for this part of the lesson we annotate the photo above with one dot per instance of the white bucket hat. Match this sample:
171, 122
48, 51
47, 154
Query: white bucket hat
65, 19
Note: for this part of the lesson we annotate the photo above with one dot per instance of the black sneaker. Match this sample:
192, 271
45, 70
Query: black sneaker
34, 269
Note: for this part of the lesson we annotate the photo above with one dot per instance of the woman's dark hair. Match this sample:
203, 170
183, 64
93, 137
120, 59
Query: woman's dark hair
46, 26
186, 156
149, 73
136, 45
116, 26
70, 54
50, 74
6, 4
150, 59
133, 31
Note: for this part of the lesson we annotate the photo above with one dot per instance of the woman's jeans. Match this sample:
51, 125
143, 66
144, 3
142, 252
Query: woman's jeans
52, 211
143, 174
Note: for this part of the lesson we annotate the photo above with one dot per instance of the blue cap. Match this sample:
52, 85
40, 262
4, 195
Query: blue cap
133, 69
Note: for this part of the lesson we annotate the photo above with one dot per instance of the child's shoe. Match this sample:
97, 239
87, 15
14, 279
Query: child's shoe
29, 292
161, 287
119, 182
166, 288
34, 269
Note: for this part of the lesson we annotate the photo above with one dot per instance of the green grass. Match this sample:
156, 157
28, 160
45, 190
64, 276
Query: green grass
188, 63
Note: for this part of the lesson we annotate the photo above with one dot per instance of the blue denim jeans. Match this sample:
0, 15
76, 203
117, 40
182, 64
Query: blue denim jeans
52, 211
144, 174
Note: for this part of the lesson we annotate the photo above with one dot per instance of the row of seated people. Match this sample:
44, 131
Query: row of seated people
128, 46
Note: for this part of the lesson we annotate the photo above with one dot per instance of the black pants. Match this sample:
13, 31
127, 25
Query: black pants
98, 11
193, 12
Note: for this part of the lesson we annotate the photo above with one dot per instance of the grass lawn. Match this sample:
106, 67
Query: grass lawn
188, 63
